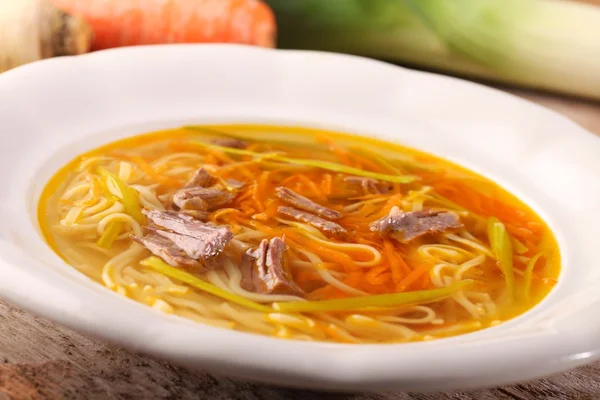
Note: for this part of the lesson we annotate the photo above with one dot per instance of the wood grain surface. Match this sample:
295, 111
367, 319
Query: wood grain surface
40, 360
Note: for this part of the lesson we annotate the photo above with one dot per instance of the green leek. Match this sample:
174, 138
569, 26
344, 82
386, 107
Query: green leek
503, 252
254, 138
519, 247
545, 44
160, 266
377, 301
128, 195
528, 276
111, 231
330, 166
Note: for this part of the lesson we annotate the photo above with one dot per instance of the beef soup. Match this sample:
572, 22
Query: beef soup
299, 234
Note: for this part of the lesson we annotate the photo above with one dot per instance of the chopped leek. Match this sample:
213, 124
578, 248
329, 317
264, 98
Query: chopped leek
255, 138
377, 301
128, 196
330, 166
160, 266
503, 252
111, 231
545, 44
519, 247
528, 277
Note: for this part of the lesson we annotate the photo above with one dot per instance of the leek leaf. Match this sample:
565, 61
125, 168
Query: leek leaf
330, 166
502, 248
378, 301
543, 44
111, 231
528, 277
128, 196
160, 266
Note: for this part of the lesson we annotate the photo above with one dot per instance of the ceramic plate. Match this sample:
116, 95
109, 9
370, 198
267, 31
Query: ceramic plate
53, 110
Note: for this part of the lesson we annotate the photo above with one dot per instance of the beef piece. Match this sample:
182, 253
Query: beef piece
411, 225
230, 142
166, 249
197, 214
263, 270
301, 202
198, 240
369, 185
201, 198
201, 178
321, 224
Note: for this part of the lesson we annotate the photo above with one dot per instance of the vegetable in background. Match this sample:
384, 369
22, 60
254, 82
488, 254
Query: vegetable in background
547, 44
31, 30
118, 23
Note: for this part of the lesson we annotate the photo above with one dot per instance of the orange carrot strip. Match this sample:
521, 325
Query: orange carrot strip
374, 273
326, 184
224, 211
412, 277
148, 170
354, 279
324, 252
381, 279
395, 266
364, 162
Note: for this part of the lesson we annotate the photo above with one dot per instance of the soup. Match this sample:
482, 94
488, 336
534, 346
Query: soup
300, 234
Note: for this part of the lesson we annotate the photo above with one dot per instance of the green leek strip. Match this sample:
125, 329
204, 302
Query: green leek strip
378, 301
129, 196
503, 251
528, 277
160, 266
387, 160
330, 166
111, 231
255, 138
520, 248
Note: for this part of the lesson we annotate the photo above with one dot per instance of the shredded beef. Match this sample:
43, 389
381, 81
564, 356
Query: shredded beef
305, 204
263, 270
411, 225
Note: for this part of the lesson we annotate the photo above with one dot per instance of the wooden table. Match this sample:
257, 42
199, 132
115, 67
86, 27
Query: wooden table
39, 360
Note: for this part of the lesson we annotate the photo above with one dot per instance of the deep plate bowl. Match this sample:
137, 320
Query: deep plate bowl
53, 110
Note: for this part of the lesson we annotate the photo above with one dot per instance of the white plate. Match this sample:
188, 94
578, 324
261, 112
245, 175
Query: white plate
53, 110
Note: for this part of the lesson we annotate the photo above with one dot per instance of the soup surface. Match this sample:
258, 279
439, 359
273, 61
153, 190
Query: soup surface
299, 233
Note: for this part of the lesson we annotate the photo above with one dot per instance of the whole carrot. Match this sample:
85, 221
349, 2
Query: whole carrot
118, 23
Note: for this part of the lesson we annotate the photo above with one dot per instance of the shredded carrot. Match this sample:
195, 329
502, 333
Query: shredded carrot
341, 154
324, 252
148, 170
326, 184
312, 186
215, 216
373, 273
303, 277
411, 278
211, 159
393, 259
259, 191
363, 162
354, 279
264, 228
